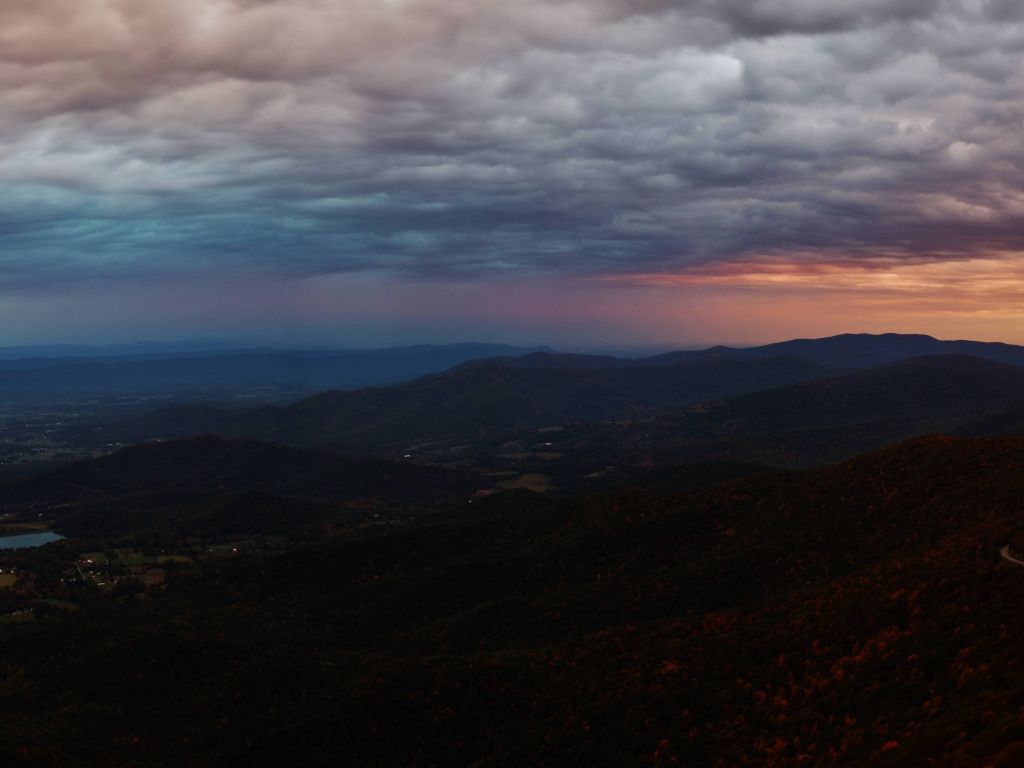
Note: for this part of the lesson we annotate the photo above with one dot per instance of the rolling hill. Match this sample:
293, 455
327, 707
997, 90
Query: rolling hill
481, 400
826, 420
777, 411
855, 615
236, 482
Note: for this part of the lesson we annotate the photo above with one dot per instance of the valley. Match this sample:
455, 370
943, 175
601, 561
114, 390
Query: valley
511, 563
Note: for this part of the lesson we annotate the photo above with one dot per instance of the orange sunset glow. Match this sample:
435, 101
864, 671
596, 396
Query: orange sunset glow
569, 171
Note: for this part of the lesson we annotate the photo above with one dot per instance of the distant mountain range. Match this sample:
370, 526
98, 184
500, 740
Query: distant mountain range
850, 351
225, 373
826, 398
194, 370
860, 350
181, 348
480, 400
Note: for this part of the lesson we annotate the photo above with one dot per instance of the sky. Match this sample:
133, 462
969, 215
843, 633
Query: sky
366, 172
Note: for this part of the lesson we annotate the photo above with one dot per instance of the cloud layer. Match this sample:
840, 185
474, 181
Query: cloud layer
481, 138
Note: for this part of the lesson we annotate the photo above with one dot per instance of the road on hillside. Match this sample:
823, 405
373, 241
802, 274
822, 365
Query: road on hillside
1005, 552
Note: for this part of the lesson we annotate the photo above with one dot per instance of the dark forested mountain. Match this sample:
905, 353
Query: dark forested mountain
855, 615
776, 410
213, 463
155, 483
833, 418
483, 399
1009, 422
225, 372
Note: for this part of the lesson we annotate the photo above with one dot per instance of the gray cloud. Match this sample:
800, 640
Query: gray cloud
468, 137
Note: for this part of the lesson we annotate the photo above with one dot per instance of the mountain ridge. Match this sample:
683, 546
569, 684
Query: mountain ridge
479, 399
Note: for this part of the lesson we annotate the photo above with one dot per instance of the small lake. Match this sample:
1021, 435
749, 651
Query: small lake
28, 540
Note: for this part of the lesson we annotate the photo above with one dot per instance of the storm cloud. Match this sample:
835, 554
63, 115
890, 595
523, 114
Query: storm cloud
457, 139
